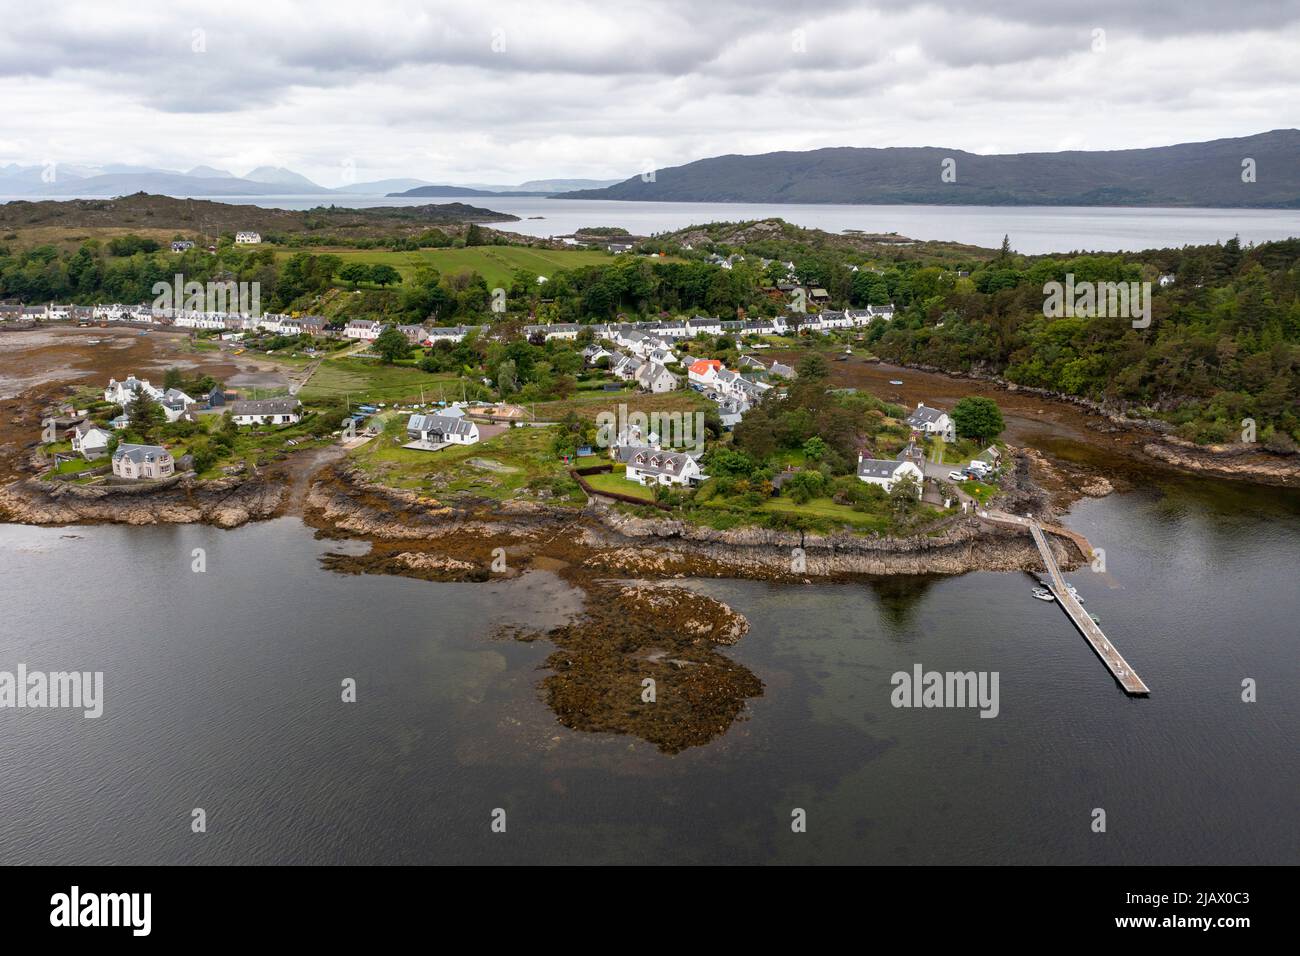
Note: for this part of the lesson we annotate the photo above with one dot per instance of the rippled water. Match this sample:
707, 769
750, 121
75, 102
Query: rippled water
222, 691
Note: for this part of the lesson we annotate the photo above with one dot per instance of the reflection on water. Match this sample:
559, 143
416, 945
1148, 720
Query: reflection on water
222, 690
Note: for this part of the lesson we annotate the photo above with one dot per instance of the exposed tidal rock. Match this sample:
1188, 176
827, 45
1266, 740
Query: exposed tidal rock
962, 546
343, 500
603, 539
1097, 487
428, 566
1231, 461
226, 503
643, 660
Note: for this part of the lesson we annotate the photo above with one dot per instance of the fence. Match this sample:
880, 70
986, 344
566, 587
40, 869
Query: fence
577, 475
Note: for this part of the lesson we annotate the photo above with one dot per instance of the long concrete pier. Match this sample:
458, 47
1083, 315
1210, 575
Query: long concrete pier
1104, 649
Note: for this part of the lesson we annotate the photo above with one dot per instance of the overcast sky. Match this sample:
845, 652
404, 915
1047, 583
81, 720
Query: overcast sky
501, 92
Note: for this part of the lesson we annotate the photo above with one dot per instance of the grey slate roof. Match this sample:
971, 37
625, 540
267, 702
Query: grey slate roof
267, 406
877, 468
657, 462
924, 415
444, 424
139, 453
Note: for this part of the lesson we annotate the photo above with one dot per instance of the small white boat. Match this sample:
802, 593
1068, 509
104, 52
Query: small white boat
1043, 594
1074, 593
895, 381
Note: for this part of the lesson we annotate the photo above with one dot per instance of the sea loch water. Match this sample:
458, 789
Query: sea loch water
221, 691
1032, 229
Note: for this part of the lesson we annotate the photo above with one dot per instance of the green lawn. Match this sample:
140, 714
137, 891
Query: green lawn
77, 464
496, 264
979, 490
828, 509
822, 510
591, 404
955, 453
368, 380
519, 462
614, 481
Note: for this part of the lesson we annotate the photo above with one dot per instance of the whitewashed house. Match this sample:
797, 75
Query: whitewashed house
654, 378
556, 330
442, 429
594, 353
247, 238
932, 421
702, 324
647, 465
671, 331
90, 441
447, 333
887, 472
362, 330
626, 367
200, 320
174, 402
124, 392
268, 411
704, 372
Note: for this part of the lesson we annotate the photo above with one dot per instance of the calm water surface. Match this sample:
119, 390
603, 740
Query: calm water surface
222, 692
1033, 229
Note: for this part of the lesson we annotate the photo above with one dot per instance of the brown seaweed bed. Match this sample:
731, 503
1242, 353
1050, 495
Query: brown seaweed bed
636, 625
628, 633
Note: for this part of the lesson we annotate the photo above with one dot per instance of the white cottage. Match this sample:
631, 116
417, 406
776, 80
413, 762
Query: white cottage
442, 429
653, 466
886, 472
269, 411
90, 441
932, 421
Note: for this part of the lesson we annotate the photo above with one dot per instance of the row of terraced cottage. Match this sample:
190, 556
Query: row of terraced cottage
367, 330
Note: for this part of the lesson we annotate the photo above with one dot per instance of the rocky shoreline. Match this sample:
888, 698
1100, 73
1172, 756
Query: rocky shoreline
225, 503
645, 655
603, 539
1239, 461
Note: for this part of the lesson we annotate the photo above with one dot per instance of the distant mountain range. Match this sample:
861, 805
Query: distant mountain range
465, 191
122, 180
1190, 174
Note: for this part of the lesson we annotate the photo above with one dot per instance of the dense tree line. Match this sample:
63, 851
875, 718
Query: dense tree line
1223, 344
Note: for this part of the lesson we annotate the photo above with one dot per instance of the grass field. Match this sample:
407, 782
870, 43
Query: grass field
496, 264
519, 462
825, 508
978, 490
370, 380
613, 481
589, 404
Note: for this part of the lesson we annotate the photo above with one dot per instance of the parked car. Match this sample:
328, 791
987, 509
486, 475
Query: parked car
956, 476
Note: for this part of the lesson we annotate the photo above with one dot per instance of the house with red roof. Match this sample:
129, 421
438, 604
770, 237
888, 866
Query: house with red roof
704, 371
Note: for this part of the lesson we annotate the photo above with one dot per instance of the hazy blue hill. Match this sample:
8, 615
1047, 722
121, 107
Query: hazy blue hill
1189, 174
463, 191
